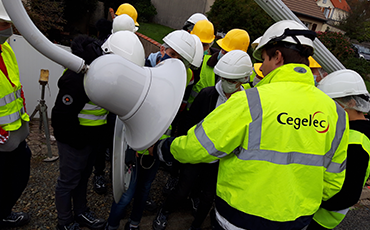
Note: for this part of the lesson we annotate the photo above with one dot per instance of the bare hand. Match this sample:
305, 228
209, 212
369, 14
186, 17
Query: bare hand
151, 149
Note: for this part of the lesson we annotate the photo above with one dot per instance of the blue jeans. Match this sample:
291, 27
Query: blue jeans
141, 181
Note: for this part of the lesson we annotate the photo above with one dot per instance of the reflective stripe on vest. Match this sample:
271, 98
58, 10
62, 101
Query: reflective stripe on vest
263, 146
224, 223
282, 158
12, 110
331, 219
12, 117
10, 97
7, 100
92, 115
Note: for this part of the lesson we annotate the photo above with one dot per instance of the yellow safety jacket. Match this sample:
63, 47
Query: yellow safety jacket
92, 115
330, 219
282, 145
248, 84
189, 75
207, 78
12, 111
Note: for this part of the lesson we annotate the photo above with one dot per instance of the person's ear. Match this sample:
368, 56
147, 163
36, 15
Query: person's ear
352, 103
278, 58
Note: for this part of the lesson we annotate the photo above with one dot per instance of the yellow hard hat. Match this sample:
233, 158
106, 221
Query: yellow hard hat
235, 39
204, 30
313, 63
256, 68
128, 9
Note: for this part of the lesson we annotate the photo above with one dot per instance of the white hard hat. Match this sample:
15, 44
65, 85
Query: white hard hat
343, 83
145, 99
198, 56
3, 14
255, 43
286, 31
196, 17
183, 43
123, 22
235, 64
127, 45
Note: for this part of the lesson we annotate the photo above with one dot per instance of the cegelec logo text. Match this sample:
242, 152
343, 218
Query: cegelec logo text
320, 125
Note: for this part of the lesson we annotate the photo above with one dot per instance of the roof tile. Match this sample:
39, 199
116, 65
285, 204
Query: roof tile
305, 7
341, 4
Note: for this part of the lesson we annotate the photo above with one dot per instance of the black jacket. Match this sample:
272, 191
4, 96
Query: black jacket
357, 162
202, 105
72, 98
212, 61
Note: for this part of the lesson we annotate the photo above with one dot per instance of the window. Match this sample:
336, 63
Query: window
326, 12
314, 26
324, 1
307, 24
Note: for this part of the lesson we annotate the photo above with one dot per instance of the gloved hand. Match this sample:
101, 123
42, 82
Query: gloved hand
4, 136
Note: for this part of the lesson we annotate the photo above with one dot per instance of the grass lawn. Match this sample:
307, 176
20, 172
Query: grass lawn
367, 85
154, 31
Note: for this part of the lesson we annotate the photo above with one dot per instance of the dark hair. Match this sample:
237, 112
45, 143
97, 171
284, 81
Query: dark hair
188, 26
104, 27
290, 52
86, 48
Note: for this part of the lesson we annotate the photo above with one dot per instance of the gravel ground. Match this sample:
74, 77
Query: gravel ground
38, 198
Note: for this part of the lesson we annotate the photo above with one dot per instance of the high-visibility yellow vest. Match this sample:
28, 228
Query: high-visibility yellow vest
248, 85
207, 78
12, 111
189, 75
282, 146
92, 115
330, 219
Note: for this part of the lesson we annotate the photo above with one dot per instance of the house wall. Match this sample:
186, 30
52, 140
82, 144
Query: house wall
309, 22
174, 13
334, 14
209, 3
326, 7
338, 14
327, 27
323, 3
150, 46
30, 63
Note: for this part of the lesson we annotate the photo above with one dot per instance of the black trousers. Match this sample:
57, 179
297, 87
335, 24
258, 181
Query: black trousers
189, 174
14, 175
100, 163
100, 158
315, 226
75, 166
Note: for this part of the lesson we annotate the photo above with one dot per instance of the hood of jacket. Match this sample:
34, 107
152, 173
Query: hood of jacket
86, 48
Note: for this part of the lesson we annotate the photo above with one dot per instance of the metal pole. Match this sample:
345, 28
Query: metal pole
279, 11
44, 117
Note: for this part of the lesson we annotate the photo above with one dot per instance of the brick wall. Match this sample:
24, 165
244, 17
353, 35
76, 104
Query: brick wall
150, 46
